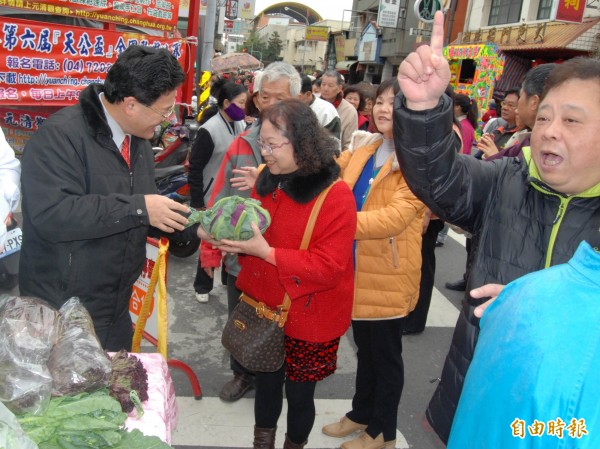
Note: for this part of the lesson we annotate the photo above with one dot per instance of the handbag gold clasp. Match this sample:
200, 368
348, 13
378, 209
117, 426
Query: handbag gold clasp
282, 317
261, 309
278, 316
239, 325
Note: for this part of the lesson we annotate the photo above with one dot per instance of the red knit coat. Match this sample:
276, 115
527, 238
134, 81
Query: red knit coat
319, 280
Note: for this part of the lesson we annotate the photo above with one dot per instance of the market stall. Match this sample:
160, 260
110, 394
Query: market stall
58, 388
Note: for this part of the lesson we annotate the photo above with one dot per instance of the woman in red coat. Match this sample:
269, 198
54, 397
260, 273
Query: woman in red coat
300, 164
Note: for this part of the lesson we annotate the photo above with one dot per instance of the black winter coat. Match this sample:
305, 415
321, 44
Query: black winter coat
519, 224
84, 217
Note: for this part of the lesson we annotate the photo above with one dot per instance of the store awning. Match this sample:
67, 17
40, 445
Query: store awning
344, 66
556, 35
535, 40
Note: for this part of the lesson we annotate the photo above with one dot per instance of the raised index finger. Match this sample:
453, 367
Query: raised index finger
437, 34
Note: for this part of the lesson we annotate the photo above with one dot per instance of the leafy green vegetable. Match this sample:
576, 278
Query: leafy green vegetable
137, 440
87, 420
232, 217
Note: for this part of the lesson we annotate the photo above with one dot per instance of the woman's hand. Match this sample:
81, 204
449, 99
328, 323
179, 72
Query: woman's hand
487, 290
256, 246
206, 237
246, 178
487, 145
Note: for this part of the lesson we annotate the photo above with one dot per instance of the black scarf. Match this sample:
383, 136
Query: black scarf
301, 188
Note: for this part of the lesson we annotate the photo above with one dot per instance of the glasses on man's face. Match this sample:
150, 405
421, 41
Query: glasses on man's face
267, 148
167, 116
508, 105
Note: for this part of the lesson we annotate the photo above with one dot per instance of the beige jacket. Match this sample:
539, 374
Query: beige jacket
349, 119
388, 236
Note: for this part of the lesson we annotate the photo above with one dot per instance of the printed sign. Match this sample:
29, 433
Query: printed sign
156, 14
19, 125
317, 33
388, 13
184, 8
247, 9
138, 292
49, 64
569, 10
231, 9
340, 47
13, 241
426, 9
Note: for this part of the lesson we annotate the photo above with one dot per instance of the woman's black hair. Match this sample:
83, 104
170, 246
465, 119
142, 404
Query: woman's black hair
227, 90
390, 83
468, 106
251, 108
314, 147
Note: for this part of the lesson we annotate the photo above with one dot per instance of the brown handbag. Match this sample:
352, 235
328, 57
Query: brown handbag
254, 332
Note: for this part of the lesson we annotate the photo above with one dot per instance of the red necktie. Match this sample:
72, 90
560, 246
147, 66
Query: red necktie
125, 151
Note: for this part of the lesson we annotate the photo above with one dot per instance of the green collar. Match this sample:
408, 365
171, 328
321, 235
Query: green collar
592, 192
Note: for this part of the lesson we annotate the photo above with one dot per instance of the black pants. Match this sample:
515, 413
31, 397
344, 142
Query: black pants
269, 402
233, 298
379, 375
203, 283
118, 335
416, 320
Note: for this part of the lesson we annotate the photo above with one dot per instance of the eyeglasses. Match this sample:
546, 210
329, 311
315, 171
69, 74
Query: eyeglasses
166, 116
504, 104
269, 148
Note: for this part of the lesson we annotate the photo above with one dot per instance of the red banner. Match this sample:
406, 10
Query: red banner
49, 64
19, 124
570, 10
156, 14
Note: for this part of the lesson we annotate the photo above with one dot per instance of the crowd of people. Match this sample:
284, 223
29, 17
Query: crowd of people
390, 163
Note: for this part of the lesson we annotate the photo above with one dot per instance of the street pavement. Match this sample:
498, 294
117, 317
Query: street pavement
194, 338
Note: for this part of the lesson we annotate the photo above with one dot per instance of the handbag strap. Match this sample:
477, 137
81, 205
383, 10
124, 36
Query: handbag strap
310, 226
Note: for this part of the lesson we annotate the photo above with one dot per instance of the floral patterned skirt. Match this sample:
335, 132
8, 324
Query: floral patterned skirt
310, 362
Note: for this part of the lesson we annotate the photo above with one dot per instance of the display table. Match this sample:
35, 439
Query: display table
160, 410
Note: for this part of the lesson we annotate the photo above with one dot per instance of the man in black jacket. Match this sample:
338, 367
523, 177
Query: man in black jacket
527, 214
89, 196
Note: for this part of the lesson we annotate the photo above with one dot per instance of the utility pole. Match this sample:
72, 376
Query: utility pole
305, 26
208, 42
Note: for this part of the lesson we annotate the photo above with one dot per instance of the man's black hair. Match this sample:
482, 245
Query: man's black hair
306, 85
144, 73
535, 79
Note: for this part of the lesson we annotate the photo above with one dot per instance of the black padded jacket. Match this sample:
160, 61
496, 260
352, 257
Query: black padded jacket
519, 224
85, 221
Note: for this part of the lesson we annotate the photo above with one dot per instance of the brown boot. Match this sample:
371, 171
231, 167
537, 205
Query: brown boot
264, 438
289, 445
236, 387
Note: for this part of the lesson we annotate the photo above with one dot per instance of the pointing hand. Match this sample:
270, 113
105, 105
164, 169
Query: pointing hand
424, 74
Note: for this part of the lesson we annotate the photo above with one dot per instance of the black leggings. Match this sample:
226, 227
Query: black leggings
269, 402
